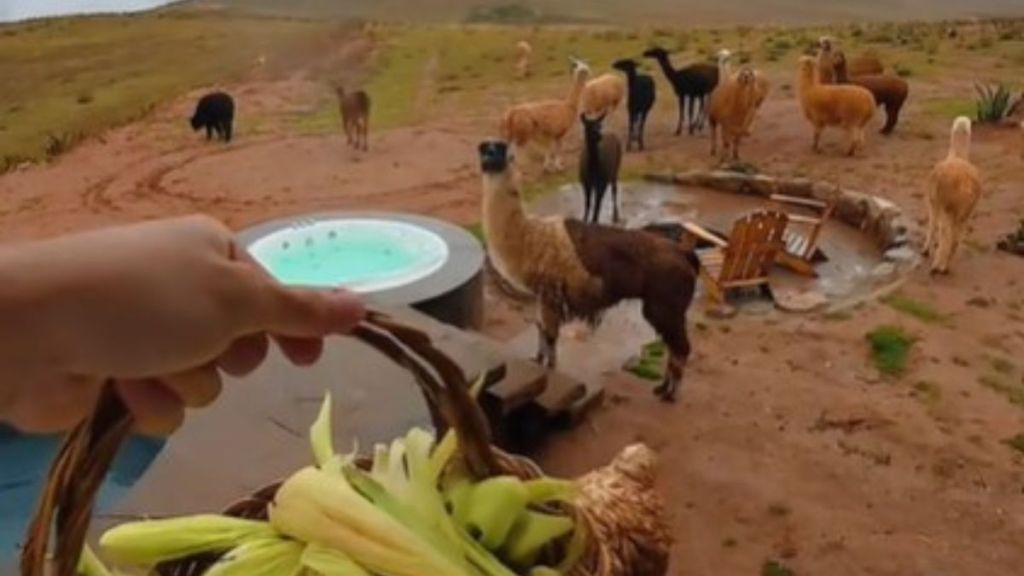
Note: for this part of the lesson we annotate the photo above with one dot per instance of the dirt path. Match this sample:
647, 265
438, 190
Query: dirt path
786, 443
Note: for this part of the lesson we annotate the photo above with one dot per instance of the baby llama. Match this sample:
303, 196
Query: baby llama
954, 190
577, 271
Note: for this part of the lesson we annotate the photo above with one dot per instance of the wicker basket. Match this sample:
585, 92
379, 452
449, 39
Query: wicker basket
88, 450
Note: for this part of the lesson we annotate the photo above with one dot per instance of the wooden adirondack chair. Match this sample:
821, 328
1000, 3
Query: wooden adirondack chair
745, 258
801, 237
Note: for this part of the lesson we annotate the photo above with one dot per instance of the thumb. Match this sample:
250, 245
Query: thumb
295, 312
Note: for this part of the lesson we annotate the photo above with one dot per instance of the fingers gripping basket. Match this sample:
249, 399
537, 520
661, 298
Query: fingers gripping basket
75, 476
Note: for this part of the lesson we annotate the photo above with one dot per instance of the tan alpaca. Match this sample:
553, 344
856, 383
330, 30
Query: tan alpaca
955, 188
523, 53
546, 121
847, 107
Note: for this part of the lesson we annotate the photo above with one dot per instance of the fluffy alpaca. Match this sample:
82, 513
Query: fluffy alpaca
734, 102
599, 168
602, 95
848, 107
215, 112
889, 91
732, 109
355, 117
826, 69
546, 121
864, 65
578, 271
523, 53
954, 190
692, 84
642, 94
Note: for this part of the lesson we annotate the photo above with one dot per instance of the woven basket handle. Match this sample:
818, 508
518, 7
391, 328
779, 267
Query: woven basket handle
66, 504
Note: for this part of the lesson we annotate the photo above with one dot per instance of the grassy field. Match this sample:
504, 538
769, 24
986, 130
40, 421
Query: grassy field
63, 79
661, 12
424, 71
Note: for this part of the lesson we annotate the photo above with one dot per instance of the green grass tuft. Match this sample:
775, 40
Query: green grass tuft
923, 311
890, 349
775, 568
1016, 442
650, 365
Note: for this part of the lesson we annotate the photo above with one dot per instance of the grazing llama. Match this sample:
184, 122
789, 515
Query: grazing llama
355, 117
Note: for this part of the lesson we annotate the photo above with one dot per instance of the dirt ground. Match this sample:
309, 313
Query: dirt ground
786, 443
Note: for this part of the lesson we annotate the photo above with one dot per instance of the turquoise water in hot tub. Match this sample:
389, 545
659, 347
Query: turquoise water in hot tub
364, 255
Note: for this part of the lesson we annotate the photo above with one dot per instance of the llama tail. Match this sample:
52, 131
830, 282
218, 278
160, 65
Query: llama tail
960, 138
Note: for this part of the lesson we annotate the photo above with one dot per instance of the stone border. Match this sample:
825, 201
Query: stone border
882, 220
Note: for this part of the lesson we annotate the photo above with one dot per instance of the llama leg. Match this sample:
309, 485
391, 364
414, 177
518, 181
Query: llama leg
640, 131
615, 201
854, 137
587, 191
940, 260
682, 115
209, 132
666, 313
227, 131
547, 327
892, 115
930, 235
599, 201
714, 138
816, 146
736, 148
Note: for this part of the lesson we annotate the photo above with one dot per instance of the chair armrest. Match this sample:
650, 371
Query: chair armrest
798, 219
700, 232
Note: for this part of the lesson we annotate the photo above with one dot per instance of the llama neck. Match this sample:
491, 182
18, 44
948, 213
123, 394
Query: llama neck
573, 100
960, 145
592, 143
504, 220
806, 80
666, 66
841, 75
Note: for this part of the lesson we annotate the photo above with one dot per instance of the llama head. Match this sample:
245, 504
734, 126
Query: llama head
960, 138
494, 156
723, 56
746, 77
825, 44
656, 52
579, 67
806, 66
838, 60
626, 65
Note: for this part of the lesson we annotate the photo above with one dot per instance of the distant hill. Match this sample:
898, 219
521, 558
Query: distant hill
665, 12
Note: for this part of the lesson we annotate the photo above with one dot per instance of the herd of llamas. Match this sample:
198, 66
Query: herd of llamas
578, 268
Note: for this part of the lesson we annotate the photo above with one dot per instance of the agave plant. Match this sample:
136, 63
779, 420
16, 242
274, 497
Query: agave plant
995, 102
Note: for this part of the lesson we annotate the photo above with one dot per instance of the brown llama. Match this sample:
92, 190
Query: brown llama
355, 116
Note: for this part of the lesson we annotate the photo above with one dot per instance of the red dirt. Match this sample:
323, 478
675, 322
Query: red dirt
786, 443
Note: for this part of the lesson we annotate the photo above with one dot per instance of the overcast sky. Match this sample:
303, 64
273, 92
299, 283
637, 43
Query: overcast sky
11, 10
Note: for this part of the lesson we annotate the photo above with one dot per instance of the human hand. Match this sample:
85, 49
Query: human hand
160, 307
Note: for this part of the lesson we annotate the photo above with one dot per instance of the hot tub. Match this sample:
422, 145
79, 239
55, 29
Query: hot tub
389, 258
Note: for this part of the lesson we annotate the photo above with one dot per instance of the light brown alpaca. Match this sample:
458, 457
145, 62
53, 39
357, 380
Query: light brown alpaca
523, 53
355, 116
734, 103
954, 190
847, 107
546, 121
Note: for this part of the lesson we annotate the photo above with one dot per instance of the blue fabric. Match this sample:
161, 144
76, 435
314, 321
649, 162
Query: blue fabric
24, 461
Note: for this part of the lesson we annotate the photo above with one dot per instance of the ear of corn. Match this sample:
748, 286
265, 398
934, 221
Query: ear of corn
149, 542
321, 436
324, 561
531, 532
90, 565
264, 557
321, 508
493, 507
